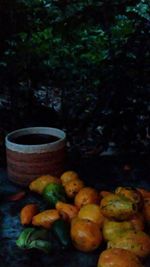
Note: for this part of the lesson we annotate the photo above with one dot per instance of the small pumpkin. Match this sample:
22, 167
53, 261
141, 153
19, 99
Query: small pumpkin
69, 210
85, 196
117, 257
138, 222
112, 229
41, 182
86, 235
134, 195
68, 176
117, 207
46, 218
27, 213
145, 193
73, 187
104, 193
146, 210
93, 213
136, 242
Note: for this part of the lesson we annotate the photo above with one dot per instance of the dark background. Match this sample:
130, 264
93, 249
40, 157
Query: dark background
83, 66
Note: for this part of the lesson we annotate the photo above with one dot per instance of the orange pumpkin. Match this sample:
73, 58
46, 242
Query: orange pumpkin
117, 207
117, 257
27, 213
132, 194
136, 242
112, 229
73, 187
41, 182
46, 218
68, 176
69, 210
85, 196
93, 213
145, 193
104, 193
138, 221
146, 210
86, 235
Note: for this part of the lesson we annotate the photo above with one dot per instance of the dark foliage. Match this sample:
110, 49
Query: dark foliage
96, 52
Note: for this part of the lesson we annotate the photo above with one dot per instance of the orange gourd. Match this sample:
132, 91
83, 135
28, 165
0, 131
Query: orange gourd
104, 193
117, 257
117, 207
146, 210
73, 187
41, 182
68, 176
93, 213
85, 196
112, 229
46, 218
69, 210
27, 213
138, 221
145, 193
132, 194
86, 235
136, 242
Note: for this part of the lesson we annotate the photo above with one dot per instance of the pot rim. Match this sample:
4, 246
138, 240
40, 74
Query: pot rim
48, 147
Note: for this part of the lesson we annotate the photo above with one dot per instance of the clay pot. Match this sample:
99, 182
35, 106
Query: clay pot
25, 162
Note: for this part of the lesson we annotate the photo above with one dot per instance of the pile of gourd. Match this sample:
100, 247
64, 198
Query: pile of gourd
89, 220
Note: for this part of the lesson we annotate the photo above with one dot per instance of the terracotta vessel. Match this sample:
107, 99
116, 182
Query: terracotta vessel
25, 162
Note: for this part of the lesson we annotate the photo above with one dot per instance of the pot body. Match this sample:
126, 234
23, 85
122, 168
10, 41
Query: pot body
27, 162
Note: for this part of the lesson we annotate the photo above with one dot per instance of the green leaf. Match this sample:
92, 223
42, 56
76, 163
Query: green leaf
38, 234
142, 9
29, 235
24, 237
62, 231
43, 245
